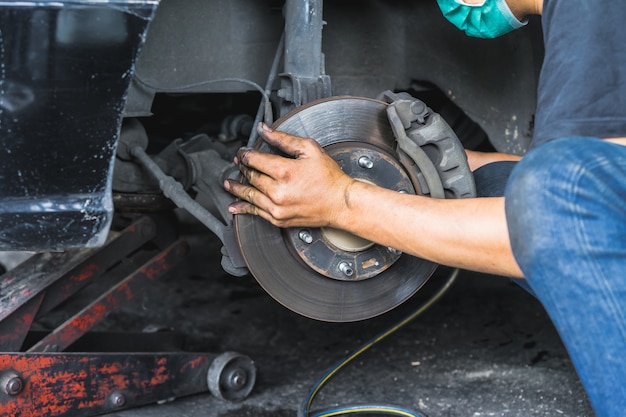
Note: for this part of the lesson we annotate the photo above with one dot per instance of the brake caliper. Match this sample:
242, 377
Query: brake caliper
430, 143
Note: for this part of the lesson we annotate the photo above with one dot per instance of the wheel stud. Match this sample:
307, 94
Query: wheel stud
346, 268
394, 251
305, 236
366, 162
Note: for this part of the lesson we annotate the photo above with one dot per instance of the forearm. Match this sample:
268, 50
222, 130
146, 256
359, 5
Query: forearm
477, 159
466, 233
310, 190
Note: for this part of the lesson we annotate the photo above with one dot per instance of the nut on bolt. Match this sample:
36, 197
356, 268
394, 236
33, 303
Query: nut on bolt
238, 378
118, 399
11, 384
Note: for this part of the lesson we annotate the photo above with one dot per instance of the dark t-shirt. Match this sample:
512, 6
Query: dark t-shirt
582, 87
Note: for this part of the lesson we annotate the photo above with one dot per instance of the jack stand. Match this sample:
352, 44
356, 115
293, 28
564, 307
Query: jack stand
45, 381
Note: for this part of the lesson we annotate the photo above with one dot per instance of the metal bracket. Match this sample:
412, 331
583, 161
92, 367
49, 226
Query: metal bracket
297, 90
83, 384
87, 384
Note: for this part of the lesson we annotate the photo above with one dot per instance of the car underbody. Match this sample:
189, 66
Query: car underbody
130, 107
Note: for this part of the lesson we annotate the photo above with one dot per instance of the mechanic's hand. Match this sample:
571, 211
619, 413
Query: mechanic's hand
308, 190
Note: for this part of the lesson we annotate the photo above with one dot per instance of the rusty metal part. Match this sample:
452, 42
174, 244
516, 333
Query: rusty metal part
333, 283
83, 321
44, 383
47, 279
87, 384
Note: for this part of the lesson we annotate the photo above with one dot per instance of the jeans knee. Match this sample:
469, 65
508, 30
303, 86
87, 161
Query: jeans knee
534, 193
521, 203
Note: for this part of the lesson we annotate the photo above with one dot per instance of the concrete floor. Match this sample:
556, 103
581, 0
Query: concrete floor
485, 349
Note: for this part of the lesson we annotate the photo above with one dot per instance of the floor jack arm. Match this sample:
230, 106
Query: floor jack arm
44, 381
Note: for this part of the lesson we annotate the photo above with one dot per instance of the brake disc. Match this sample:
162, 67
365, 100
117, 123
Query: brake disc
327, 274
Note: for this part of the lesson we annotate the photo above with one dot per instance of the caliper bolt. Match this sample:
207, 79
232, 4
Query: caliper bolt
420, 110
118, 399
12, 384
305, 236
346, 268
366, 162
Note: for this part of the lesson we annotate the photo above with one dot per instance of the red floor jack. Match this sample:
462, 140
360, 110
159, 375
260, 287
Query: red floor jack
48, 374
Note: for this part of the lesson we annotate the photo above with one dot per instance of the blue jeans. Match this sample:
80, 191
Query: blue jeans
566, 213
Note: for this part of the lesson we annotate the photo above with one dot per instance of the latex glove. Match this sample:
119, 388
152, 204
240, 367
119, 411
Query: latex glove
309, 189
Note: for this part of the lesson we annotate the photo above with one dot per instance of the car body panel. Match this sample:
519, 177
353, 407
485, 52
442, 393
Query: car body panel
65, 68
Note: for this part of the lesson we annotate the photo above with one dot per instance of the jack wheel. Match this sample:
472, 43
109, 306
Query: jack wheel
231, 376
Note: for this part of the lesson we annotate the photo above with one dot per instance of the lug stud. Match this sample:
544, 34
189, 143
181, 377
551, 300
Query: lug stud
366, 162
346, 268
305, 236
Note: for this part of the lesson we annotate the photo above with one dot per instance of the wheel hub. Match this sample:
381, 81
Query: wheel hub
341, 255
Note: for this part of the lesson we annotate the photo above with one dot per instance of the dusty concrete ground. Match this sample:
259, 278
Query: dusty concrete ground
486, 348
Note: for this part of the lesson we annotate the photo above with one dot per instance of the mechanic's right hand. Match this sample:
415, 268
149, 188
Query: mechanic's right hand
308, 190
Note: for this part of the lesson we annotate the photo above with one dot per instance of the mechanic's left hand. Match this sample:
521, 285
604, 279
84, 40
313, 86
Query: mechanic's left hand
308, 190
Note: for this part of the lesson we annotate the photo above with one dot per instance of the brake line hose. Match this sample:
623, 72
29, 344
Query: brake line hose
304, 410
174, 190
367, 409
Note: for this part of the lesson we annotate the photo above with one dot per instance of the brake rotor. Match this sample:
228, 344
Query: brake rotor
323, 273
